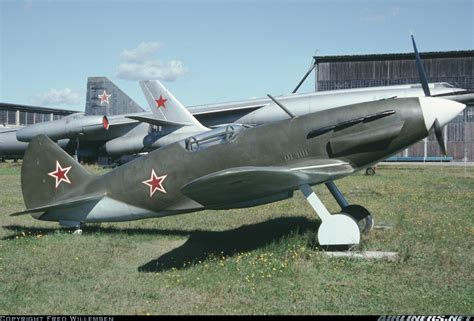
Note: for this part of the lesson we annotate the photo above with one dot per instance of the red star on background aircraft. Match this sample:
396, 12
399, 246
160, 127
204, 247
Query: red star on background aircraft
161, 102
104, 98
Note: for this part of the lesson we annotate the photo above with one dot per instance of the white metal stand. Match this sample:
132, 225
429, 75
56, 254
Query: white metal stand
337, 229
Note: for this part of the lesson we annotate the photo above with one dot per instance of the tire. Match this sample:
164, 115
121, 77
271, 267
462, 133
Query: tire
361, 215
370, 171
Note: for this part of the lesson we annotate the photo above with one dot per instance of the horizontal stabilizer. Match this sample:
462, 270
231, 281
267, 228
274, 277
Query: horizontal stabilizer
61, 205
158, 122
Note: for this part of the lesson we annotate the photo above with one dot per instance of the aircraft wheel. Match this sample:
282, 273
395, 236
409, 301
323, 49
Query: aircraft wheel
370, 171
361, 215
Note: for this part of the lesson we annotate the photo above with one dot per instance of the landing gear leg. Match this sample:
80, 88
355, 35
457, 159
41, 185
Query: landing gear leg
336, 230
359, 213
72, 225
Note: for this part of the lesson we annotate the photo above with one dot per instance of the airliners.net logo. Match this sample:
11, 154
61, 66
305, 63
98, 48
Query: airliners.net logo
424, 318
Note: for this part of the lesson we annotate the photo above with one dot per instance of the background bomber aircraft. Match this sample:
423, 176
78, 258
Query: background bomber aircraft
235, 166
114, 125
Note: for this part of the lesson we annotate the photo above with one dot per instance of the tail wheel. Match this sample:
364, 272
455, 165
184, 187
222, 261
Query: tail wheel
370, 171
361, 215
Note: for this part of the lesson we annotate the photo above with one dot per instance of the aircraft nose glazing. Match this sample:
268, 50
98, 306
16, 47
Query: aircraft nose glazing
437, 108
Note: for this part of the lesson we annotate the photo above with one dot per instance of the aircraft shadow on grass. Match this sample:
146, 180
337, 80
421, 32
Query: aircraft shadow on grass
201, 244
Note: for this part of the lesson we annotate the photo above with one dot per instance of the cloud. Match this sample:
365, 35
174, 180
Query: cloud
141, 63
54, 97
153, 69
144, 51
28, 4
395, 11
370, 15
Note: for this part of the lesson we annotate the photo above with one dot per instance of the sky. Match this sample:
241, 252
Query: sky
205, 51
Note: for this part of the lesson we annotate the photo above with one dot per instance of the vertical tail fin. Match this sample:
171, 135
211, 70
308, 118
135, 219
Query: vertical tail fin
49, 174
105, 98
165, 106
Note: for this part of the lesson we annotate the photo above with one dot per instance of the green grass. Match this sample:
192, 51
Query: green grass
260, 260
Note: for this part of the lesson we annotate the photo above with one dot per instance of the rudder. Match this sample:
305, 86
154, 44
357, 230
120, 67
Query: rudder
49, 174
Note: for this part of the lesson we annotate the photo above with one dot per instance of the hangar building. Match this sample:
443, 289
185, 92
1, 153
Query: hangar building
12, 115
453, 67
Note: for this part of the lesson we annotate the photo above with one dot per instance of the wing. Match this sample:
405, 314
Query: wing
158, 122
224, 108
125, 120
244, 184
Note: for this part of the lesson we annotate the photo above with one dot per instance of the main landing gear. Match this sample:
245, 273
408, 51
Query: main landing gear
342, 229
359, 213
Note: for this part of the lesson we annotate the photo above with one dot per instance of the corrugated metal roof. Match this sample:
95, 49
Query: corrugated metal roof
395, 56
7, 106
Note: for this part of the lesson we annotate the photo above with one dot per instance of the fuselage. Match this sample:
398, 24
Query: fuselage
315, 148
299, 144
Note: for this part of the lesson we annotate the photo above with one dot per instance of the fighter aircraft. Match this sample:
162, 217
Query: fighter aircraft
235, 167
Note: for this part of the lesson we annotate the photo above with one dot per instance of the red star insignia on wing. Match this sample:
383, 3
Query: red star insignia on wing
60, 174
155, 183
104, 98
161, 102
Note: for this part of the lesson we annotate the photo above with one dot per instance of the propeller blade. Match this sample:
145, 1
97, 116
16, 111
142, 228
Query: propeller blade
421, 70
439, 136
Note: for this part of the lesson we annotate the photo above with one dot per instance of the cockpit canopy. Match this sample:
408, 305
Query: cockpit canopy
213, 137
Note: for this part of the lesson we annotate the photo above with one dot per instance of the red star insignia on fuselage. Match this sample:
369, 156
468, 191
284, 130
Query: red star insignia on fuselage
155, 183
104, 98
60, 174
161, 102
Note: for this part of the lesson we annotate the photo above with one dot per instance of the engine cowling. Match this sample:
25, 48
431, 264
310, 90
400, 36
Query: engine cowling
67, 127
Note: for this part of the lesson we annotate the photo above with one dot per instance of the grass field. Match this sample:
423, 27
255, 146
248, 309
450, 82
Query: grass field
261, 260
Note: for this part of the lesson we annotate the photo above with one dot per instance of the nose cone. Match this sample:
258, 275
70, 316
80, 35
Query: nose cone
437, 108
